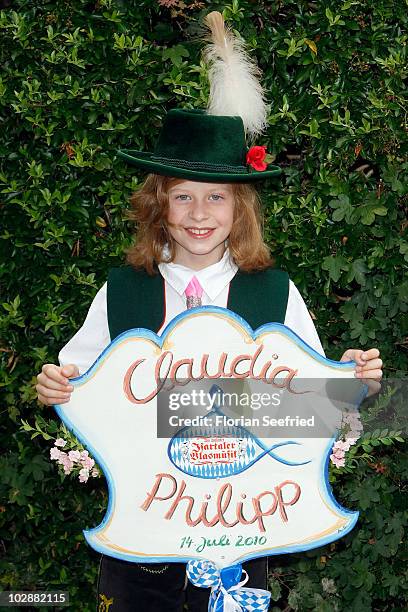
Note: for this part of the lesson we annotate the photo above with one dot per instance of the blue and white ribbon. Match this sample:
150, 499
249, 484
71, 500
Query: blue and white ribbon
227, 592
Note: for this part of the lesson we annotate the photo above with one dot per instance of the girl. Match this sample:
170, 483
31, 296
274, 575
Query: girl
198, 242
187, 229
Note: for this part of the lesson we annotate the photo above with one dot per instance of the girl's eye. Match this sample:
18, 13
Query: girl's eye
182, 196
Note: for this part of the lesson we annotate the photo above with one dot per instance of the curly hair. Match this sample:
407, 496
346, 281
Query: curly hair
149, 212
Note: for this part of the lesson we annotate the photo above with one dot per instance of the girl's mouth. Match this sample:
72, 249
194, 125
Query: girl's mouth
199, 233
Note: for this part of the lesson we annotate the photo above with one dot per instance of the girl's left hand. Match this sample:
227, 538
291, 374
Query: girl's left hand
369, 365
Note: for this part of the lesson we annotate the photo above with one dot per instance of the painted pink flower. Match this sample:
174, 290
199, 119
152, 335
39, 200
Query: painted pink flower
83, 475
62, 458
66, 462
353, 420
60, 442
350, 417
74, 455
341, 445
68, 468
338, 453
87, 463
54, 453
338, 462
84, 454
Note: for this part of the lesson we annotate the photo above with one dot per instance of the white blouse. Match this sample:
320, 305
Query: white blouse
93, 337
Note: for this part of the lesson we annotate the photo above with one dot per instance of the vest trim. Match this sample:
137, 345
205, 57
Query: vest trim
138, 300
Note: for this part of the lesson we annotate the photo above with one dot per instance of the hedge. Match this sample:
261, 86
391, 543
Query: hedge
80, 79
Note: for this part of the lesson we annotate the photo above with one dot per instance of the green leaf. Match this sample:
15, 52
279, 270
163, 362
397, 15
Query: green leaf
274, 588
343, 208
335, 265
175, 54
358, 271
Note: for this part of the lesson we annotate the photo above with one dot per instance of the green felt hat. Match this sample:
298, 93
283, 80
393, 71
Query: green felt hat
199, 146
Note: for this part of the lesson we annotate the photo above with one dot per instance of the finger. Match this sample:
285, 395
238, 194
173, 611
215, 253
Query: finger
46, 392
70, 370
51, 401
354, 355
371, 374
358, 357
374, 387
43, 400
372, 364
373, 353
49, 383
348, 355
54, 372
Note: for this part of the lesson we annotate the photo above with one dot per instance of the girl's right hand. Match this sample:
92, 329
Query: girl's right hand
53, 383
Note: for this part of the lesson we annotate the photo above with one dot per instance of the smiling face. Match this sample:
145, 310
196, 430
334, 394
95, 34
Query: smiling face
200, 217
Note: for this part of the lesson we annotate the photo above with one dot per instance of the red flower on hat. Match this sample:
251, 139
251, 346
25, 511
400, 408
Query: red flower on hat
255, 158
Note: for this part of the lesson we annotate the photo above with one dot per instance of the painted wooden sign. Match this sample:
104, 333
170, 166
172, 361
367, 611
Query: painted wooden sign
222, 496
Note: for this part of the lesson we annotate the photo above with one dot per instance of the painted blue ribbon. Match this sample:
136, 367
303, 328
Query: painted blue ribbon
227, 592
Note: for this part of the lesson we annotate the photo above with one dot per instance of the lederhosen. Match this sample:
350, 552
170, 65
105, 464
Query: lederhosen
135, 299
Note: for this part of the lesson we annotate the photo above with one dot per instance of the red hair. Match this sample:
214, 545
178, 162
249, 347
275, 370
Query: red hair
149, 213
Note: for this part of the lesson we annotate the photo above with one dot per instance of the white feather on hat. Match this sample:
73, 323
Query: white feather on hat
233, 76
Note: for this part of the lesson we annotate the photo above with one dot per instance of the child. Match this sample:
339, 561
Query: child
201, 218
198, 242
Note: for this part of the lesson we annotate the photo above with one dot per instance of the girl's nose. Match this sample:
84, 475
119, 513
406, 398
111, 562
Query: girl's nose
198, 210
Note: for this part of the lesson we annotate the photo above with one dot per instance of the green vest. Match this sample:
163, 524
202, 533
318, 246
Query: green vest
136, 299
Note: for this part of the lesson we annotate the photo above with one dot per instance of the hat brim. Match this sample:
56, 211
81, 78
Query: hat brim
143, 160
